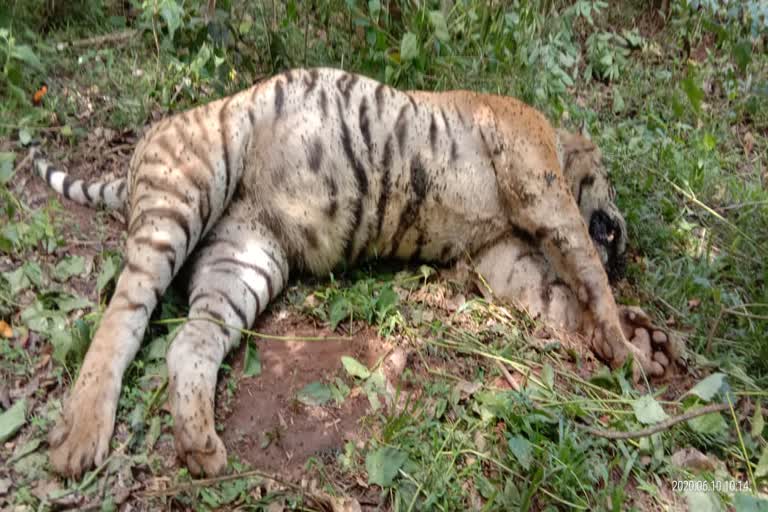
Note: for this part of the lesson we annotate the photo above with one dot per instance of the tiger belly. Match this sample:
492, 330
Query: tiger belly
369, 174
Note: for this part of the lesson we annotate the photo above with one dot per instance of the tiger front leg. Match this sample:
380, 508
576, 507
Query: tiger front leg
234, 277
539, 202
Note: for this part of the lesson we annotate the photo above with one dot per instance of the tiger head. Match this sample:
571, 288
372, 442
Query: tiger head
588, 179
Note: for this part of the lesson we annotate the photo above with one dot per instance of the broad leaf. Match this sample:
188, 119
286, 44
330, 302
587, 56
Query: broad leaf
441, 27
708, 424
383, 465
709, 387
762, 464
6, 166
744, 502
521, 449
314, 393
648, 411
108, 271
13, 419
758, 423
355, 368
68, 267
409, 47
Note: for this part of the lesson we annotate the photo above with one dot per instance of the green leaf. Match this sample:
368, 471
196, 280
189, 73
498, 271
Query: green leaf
709, 387
67, 303
18, 280
33, 271
171, 13
22, 451
703, 501
108, 271
6, 166
374, 386
68, 267
648, 411
618, 102
742, 54
693, 91
409, 47
13, 419
548, 376
386, 300
744, 502
758, 423
314, 393
154, 432
252, 360
441, 27
339, 391
340, 310
383, 464
355, 368
762, 464
25, 54
708, 424
24, 136
521, 449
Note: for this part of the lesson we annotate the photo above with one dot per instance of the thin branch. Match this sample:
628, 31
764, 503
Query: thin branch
659, 427
114, 38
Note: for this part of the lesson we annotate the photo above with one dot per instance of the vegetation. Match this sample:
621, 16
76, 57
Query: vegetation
489, 417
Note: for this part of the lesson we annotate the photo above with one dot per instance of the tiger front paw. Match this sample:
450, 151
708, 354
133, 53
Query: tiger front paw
658, 348
81, 436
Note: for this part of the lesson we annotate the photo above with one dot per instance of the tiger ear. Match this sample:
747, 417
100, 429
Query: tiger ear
575, 142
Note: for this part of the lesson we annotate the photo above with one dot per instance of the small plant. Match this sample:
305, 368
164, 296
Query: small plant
15, 58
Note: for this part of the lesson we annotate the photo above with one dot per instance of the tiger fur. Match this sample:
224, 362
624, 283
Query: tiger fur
316, 168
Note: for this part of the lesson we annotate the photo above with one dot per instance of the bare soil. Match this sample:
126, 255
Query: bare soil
265, 411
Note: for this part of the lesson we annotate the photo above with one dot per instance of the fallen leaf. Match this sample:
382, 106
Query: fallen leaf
314, 393
693, 459
5, 330
749, 143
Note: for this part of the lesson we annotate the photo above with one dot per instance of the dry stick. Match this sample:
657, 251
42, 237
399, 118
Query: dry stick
659, 427
117, 37
206, 482
508, 376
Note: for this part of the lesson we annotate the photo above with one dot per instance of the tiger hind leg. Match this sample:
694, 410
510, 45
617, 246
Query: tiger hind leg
236, 273
515, 272
155, 250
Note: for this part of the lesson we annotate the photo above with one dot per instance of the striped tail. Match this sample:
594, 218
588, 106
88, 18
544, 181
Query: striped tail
109, 194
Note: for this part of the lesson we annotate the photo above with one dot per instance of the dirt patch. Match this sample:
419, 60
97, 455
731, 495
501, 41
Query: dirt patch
264, 423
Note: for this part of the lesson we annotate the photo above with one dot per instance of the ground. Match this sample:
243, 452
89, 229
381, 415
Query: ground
390, 387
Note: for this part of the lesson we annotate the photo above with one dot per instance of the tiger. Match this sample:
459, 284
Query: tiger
318, 168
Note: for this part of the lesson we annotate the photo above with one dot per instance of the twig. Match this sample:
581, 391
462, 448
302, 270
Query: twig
23, 162
741, 442
117, 37
508, 376
206, 482
659, 427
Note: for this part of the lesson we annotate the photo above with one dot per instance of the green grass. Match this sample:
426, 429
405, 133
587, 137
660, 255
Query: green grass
680, 112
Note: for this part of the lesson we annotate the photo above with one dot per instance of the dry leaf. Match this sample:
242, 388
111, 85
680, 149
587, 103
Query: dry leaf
5, 330
749, 143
